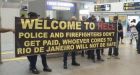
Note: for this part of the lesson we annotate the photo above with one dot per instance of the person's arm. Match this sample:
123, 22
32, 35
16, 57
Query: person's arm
3, 30
120, 29
138, 27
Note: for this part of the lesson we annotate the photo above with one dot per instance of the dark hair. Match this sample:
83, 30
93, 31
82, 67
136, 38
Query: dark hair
115, 18
22, 16
134, 20
33, 14
92, 16
103, 19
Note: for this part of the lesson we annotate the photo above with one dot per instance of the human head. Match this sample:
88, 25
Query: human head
115, 18
22, 16
119, 21
83, 18
73, 18
33, 15
134, 20
92, 16
102, 19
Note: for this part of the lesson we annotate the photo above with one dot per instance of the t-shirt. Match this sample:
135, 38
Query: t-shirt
133, 27
138, 27
120, 26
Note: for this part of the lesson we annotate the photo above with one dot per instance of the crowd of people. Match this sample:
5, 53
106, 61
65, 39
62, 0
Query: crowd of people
94, 55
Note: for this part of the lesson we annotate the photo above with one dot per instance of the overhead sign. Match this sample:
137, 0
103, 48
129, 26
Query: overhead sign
132, 6
37, 36
105, 7
55, 5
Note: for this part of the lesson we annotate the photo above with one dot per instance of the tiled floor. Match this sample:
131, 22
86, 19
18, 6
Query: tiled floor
128, 64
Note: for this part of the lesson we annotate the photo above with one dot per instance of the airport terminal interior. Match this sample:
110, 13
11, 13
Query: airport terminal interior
69, 37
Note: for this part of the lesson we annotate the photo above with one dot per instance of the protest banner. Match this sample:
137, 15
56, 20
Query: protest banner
37, 36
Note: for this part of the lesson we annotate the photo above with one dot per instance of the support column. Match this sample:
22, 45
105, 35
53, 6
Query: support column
77, 8
0, 34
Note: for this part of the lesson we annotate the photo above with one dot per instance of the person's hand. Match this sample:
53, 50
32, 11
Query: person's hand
12, 30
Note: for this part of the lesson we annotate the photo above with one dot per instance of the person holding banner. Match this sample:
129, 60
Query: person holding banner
83, 20
91, 53
113, 51
73, 53
102, 21
33, 58
121, 33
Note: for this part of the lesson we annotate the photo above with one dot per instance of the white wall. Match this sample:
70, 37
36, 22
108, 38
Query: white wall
38, 6
117, 7
8, 21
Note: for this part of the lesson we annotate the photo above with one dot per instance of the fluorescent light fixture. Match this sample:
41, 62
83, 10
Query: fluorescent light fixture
60, 8
84, 12
5, 0
64, 4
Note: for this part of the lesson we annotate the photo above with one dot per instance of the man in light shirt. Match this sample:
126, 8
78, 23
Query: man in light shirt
133, 31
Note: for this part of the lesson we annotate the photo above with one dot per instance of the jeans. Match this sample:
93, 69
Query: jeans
115, 50
33, 59
138, 43
73, 54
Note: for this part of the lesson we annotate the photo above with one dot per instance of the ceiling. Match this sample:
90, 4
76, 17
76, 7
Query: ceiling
18, 3
14, 3
81, 1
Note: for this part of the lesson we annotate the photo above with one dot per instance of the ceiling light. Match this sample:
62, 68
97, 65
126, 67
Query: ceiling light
65, 4
60, 8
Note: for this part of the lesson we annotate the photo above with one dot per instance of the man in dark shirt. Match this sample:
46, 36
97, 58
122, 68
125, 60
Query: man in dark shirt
73, 53
138, 42
33, 58
120, 28
114, 51
120, 31
91, 53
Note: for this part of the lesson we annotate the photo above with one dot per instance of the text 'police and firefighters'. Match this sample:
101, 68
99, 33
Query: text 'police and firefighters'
37, 36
